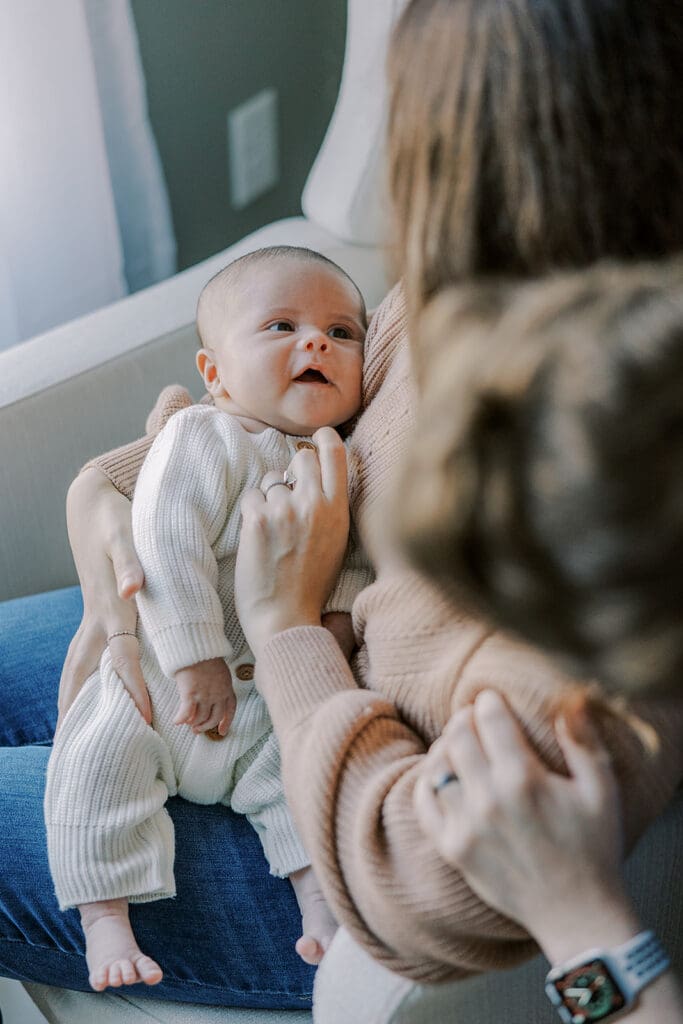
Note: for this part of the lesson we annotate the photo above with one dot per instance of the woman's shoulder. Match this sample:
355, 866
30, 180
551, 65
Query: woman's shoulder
387, 334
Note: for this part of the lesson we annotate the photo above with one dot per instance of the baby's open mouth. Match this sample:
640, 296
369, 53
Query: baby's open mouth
312, 377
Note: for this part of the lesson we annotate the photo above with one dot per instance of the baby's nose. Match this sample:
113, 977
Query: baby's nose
316, 342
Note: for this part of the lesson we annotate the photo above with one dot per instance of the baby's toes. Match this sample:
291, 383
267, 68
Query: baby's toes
99, 979
128, 973
148, 970
116, 974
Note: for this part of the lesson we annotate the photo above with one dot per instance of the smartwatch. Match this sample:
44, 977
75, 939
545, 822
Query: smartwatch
601, 983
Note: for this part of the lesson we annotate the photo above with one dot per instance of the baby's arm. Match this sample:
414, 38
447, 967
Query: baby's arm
180, 507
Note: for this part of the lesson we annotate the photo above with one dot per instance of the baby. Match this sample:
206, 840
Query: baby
282, 332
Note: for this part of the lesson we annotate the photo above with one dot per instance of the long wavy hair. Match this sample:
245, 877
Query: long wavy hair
544, 484
529, 135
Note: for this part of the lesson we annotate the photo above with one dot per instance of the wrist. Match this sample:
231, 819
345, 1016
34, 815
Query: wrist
259, 635
604, 921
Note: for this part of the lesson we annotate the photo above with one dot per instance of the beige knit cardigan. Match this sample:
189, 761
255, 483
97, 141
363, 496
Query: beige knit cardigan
352, 741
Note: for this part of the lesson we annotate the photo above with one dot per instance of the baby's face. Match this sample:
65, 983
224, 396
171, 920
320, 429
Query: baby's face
288, 347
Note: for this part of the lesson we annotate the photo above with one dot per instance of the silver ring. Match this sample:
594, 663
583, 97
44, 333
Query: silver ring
276, 483
444, 780
288, 479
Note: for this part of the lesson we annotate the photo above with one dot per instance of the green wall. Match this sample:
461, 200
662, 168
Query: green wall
204, 57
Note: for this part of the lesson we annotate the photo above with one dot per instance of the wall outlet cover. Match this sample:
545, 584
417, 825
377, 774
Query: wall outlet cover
253, 151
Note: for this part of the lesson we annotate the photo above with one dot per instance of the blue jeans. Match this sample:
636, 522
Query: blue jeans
227, 938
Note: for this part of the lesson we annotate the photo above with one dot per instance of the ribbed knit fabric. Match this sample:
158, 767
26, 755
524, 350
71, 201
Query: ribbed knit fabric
110, 774
352, 744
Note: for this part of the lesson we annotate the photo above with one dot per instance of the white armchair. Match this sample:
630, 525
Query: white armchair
87, 386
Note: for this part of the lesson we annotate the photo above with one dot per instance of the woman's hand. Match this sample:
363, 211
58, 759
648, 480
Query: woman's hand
292, 543
541, 848
98, 518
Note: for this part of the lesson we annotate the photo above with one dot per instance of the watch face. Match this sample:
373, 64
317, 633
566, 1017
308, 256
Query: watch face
589, 992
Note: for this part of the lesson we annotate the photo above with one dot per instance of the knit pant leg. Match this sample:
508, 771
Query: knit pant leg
258, 794
109, 776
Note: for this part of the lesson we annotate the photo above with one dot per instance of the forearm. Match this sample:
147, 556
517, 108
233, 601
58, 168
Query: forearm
349, 765
98, 521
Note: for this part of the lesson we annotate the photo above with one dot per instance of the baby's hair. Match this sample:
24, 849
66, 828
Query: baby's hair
222, 283
545, 480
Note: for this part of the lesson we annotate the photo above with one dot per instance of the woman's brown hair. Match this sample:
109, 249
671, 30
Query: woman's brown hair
528, 135
545, 480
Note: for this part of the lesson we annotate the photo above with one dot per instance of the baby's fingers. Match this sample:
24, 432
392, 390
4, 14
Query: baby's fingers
187, 712
228, 714
218, 716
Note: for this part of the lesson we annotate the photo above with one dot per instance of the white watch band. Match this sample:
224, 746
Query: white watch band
638, 962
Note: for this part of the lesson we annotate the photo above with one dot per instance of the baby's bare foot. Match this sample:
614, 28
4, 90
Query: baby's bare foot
113, 956
317, 922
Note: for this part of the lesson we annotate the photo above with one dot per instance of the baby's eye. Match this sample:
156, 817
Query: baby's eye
339, 332
281, 325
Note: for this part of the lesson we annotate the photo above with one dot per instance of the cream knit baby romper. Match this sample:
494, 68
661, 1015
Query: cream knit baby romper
110, 774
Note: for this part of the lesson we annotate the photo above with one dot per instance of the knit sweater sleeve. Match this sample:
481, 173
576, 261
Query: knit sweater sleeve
356, 574
187, 485
122, 465
350, 762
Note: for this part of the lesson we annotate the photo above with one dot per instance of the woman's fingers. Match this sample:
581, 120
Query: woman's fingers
98, 518
125, 659
589, 762
332, 463
321, 468
464, 750
121, 550
81, 661
429, 809
273, 486
128, 571
501, 738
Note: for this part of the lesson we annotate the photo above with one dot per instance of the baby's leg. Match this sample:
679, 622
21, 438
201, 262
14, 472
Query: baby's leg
112, 953
317, 923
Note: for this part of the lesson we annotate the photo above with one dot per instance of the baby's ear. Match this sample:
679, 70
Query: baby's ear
209, 372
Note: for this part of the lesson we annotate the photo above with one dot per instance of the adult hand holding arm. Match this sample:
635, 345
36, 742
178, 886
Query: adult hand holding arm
99, 523
542, 848
292, 543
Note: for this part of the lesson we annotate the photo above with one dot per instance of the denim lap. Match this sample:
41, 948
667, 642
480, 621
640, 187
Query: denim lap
226, 939
35, 633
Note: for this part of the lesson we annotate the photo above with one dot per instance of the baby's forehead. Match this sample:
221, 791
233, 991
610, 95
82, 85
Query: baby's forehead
287, 273
249, 286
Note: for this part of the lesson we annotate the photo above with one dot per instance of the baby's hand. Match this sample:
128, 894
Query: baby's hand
207, 699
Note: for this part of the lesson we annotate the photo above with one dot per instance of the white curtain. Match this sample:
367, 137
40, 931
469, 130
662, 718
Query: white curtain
84, 214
